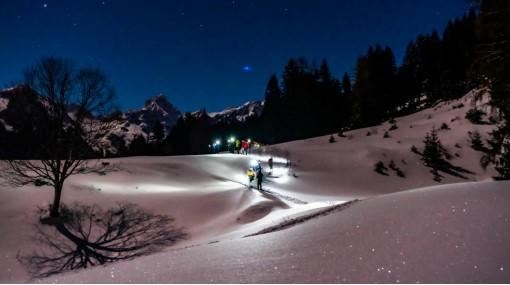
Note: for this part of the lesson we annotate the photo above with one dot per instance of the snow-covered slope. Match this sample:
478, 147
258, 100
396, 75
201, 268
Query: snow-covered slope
446, 234
347, 165
450, 233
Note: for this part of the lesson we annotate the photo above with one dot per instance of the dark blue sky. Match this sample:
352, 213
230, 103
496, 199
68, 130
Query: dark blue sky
208, 53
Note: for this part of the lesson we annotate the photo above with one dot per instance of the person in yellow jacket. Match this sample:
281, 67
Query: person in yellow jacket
251, 174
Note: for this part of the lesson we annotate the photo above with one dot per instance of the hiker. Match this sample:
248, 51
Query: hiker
251, 175
238, 146
244, 146
270, 163
259, 179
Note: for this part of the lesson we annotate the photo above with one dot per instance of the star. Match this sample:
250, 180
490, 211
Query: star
247, 68
45, 5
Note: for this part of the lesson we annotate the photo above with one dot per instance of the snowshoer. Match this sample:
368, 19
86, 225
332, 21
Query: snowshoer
260, 176
238, 146
245, 146
251, 175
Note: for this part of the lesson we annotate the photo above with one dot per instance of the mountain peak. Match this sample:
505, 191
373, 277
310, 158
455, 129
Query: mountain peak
159, 101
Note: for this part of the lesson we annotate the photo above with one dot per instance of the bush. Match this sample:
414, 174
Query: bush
386, 135
331, 139
444, 126
380, 168
397, 170
475, 116
369, 134
415, 149
400, 173
476, 141
393, 127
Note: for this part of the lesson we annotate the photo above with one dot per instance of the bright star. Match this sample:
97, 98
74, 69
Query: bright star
247, 68
45, 5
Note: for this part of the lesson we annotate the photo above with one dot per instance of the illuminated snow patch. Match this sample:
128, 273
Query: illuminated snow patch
265, 158
137, 188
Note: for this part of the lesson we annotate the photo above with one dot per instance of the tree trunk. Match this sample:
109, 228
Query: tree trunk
54, 212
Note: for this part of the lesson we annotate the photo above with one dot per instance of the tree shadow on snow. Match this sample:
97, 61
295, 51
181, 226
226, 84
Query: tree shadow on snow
85, 236
443, 165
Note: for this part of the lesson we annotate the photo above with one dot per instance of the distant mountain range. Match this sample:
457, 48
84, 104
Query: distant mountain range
117, 131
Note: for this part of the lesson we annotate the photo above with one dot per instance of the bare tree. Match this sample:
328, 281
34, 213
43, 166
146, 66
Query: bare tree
87, 236
71, 98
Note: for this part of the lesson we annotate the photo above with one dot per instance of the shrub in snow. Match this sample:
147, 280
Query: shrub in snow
369, 134
458, 106
434, 154
393, 127
400, 173
397, 170
331, 139
444, 126
386, 135
415, 149
475, 116
476, 141
380, 168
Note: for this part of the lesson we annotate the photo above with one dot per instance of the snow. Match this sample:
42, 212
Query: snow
3, 103
441, 233
7, 127
385, 239
239, 113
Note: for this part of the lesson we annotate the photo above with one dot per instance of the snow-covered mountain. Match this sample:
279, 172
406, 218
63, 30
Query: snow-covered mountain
156, 108
114, 133
239, 113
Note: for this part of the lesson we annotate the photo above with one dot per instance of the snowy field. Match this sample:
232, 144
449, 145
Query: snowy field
442, 233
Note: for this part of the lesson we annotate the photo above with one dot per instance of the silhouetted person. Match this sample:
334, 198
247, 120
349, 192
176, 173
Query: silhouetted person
259, 179
270, 162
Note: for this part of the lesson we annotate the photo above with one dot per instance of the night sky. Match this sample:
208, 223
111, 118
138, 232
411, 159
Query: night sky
209, 53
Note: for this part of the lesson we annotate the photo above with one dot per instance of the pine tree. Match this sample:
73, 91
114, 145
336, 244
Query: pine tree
273, 108
375, 87
503, 161
346, 84
158, 133
433, 153
493, 61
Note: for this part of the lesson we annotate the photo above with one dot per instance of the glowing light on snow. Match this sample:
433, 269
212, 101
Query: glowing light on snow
137, 189
253, 162
265, 158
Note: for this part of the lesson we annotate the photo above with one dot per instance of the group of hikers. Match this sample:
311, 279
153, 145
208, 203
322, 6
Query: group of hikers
242, 146
256, 173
